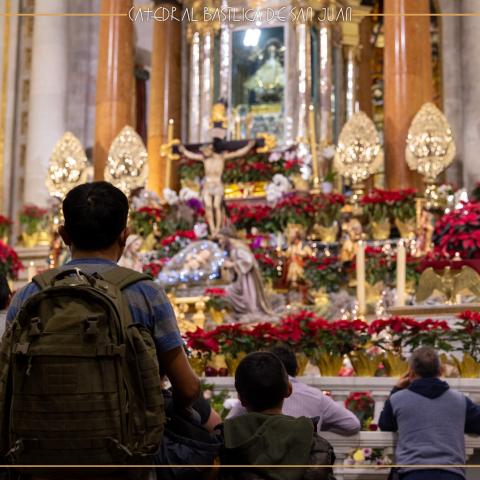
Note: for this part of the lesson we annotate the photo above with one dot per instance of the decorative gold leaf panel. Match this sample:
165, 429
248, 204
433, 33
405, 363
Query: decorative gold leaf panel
430, 145
67, 167
127, 164
359, 152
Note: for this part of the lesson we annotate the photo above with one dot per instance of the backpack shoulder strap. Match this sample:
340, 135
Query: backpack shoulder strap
44, 279
123, 277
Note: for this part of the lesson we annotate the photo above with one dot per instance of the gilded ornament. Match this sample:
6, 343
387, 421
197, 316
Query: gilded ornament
449, 284
430, 145
67, 166
270, 141
127, 164
359, 153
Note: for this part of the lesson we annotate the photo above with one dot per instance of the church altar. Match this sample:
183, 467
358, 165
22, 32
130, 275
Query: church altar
277, 207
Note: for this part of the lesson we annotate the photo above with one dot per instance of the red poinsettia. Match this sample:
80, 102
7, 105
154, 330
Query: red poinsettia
10, 264
459, 232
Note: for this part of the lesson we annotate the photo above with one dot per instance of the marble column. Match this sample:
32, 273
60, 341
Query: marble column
325, 74
47, 101
165, 95
351, 74
194, 111
206, 91
408, 83
114, 79
304, 79
469, 73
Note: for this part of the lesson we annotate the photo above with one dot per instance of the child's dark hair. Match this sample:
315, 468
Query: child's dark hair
95, 215
5, 292
261, 381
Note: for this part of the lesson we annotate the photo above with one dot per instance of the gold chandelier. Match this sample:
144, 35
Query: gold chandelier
430, 145
359, 153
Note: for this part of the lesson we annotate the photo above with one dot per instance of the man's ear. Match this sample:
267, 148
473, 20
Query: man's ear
242, 401
65, 236
289, 390
123, 236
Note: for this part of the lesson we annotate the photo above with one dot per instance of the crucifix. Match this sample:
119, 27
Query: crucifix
213, 155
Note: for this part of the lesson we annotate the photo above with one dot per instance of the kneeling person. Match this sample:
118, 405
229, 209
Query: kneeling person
264, 436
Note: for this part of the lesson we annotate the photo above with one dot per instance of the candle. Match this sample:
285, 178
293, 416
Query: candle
401, 273
313, 143
170, 131
360, 269
31, 271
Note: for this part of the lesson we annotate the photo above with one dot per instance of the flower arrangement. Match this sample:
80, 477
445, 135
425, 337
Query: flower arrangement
459, 231
294, 208
268, 262
246, 217
5, 225
368, 456
379, 265
381, 205
10, 264
362, 405
32, 218
154, 267
307, 333
468, 333
217, 298
327, 208
146, 220
172, 244
253, 167
405, 332
190, 169
403, 206
324, 272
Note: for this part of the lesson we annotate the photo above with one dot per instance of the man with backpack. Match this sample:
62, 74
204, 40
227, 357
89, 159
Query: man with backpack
82, 361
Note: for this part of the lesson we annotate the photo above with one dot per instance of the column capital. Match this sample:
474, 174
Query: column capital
351, 30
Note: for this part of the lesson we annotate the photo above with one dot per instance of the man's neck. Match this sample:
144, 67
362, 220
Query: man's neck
100, 254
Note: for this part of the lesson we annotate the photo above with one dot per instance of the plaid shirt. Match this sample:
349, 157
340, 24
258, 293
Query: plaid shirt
148, 304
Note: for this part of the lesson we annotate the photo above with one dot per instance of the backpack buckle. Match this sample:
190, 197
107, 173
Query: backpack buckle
92, 325
35, 330
21, 348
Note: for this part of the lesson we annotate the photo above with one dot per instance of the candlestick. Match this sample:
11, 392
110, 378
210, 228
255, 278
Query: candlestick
401, 273
360, 270
170, 131
31, 271
313, 144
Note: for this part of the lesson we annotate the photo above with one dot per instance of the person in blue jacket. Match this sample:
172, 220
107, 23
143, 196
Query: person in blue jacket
431, 419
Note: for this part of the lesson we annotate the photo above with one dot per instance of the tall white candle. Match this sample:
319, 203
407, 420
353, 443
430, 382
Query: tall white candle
360, 269
31, 271
401, 273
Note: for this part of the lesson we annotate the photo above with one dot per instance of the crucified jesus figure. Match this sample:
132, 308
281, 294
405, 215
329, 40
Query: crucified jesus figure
212, 191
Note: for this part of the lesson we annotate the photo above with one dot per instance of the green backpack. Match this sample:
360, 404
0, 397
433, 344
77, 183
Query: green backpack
79, 383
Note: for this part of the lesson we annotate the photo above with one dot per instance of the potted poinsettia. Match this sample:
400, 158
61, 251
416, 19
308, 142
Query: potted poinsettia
5, 226
324, 273
459, 231
377, 209
404, 211
10, 264
33, 222
217, 303
467, 333
327, 209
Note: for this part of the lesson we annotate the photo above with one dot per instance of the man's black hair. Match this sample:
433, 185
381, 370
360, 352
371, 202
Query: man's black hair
425, 362
95, 215
287, 357
5, 292
261, 381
